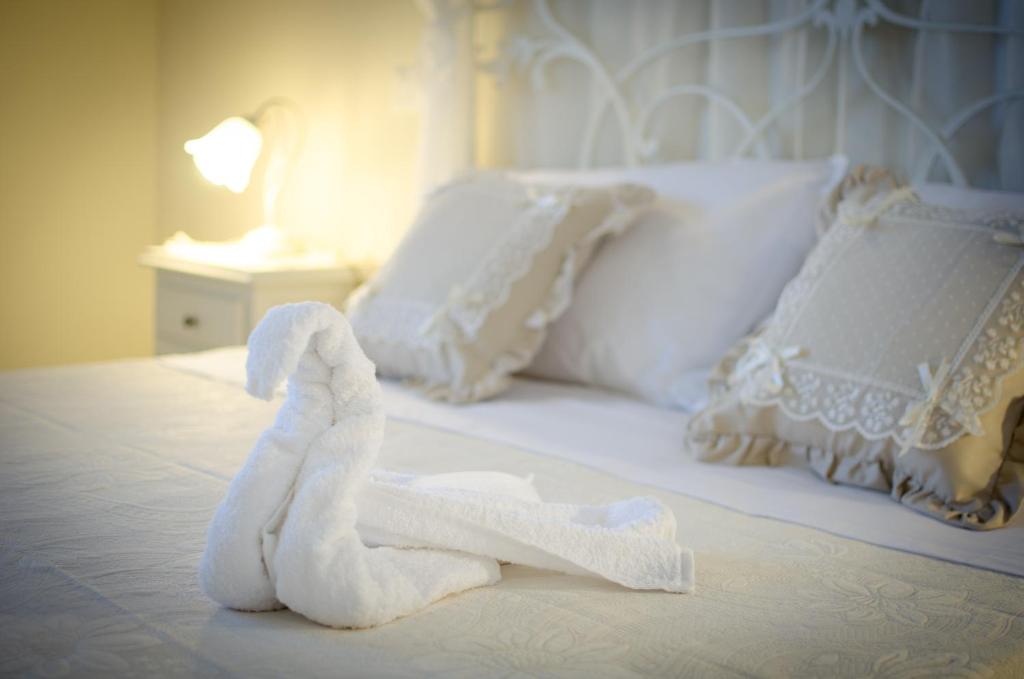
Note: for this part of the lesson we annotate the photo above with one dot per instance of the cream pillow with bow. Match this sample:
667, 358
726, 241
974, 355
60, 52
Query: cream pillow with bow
893, 361
467, 297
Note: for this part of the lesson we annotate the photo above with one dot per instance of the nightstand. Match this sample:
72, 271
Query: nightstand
201, 305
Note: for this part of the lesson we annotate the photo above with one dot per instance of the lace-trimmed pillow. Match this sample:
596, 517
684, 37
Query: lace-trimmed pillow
892, 362
467, 296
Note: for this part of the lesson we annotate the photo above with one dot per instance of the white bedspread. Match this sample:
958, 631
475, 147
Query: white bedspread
111, 472
641, 442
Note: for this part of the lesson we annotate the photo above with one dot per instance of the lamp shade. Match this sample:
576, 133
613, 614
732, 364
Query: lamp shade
226, 154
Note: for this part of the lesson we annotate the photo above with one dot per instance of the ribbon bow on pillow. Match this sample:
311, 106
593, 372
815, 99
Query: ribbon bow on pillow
762, 357
919, 414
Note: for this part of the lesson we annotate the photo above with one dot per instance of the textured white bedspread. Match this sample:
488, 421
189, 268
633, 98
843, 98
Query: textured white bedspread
641, 442
109, 474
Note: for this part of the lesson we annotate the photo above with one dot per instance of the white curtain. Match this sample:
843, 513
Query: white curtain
570, 97
446, 72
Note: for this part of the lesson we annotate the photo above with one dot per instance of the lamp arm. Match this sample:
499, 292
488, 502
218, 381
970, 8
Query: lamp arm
285, 128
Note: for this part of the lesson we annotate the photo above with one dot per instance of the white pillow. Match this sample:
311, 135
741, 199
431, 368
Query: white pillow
468, 295
661, 303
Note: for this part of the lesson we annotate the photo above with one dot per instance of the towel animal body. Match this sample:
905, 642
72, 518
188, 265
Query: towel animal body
308, 524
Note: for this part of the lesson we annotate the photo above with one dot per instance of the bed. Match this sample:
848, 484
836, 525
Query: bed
111, 472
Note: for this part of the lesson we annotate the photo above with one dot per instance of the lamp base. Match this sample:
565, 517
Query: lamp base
267, 247
270, 241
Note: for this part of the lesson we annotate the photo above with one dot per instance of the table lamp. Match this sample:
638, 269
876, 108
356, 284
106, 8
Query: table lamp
227, 154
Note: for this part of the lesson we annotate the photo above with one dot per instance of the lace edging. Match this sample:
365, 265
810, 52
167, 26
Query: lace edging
554, 304
491, 286
875, 411
507, 264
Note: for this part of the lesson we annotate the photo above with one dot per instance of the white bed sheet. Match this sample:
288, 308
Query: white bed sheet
641, 443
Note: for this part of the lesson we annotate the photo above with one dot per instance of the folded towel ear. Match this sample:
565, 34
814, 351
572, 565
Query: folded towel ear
313, 343
278, 342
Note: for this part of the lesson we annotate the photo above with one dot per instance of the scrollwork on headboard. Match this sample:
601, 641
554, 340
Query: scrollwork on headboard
840, 29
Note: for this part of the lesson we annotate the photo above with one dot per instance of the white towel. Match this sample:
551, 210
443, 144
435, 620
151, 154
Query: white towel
631, 542
286, 534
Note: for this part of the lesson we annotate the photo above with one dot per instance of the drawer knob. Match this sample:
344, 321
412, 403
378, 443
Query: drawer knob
190, 321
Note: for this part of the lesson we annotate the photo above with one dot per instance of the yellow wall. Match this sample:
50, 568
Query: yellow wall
98, 97
352, 189
77, 178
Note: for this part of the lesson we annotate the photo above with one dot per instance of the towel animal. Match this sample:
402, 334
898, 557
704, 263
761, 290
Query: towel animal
307, 524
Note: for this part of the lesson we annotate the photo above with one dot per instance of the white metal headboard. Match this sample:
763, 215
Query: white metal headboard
841, 24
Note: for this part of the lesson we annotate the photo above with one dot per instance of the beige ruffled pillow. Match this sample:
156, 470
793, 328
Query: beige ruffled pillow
490, 262
893, 361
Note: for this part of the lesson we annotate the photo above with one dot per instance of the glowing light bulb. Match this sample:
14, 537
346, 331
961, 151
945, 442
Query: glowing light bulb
226, 154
